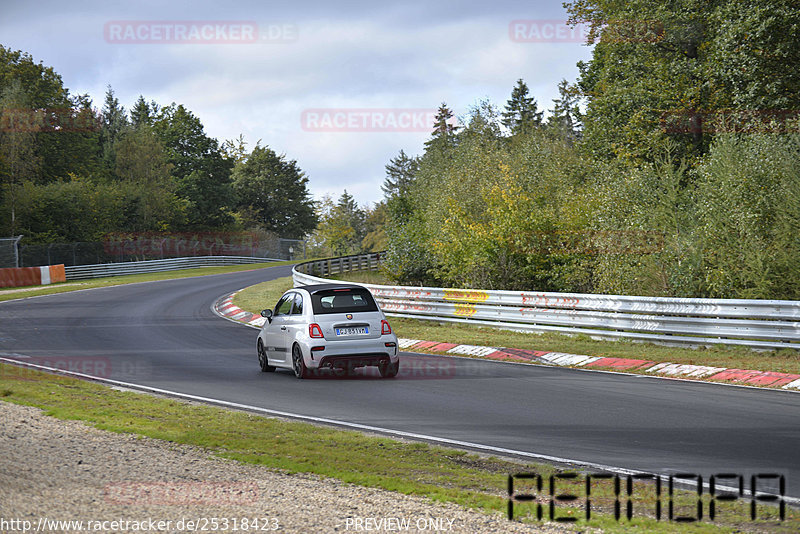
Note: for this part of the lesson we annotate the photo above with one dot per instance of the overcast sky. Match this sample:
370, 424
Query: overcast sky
300, 76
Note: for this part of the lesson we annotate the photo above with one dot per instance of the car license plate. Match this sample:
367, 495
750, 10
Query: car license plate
352, 331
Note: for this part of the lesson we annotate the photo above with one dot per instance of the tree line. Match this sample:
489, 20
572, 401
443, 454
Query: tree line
72, 173
670, 167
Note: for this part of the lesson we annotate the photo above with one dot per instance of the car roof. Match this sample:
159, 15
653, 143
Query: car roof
324, 287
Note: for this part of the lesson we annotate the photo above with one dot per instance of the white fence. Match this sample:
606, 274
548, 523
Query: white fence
760, 324
102, 270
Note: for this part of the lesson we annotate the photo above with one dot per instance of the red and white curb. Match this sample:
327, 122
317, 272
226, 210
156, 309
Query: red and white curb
686, 371
225, 307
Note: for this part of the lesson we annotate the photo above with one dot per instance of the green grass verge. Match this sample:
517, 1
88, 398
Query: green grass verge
11, 293
265, 295
438, 473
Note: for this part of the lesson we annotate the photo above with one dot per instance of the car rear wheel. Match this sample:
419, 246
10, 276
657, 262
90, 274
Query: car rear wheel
390, 370
262, 359
298, 364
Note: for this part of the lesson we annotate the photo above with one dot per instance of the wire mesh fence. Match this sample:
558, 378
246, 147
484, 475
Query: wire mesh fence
126, 248
9, 252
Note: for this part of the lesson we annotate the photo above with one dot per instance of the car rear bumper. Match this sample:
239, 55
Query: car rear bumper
326, 354
355, 360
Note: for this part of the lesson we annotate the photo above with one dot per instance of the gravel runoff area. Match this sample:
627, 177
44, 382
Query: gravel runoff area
53, 470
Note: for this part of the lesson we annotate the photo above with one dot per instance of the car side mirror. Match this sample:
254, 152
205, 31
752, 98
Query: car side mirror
267, 314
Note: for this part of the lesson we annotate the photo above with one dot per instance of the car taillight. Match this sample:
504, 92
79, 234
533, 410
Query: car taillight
385, 328
314, 330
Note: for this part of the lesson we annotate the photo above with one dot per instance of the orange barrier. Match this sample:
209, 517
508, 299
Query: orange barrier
57, 274
32, 276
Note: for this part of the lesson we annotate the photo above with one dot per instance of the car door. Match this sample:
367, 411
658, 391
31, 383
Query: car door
275, 335
296, 322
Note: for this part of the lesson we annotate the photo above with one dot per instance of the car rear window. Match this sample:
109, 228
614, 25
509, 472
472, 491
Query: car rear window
345, 300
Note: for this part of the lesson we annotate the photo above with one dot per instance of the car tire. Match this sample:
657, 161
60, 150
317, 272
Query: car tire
389, 371
263, 362
298, 364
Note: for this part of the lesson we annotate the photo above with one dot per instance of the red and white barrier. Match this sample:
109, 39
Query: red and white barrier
32, 276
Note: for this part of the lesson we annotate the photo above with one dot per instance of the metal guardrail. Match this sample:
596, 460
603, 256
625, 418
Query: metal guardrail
156, 246
758, 324
102, 270
330, 266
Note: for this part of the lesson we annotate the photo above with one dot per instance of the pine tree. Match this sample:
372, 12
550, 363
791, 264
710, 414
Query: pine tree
443, 129
342, 225
521, 111
565, 118
400, 173
236, 149
143, 113
115, 121
348, 208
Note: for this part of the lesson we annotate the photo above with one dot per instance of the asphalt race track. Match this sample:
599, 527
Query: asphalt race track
164, 335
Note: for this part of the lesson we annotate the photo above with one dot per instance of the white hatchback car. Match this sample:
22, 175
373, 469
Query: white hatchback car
327, 326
